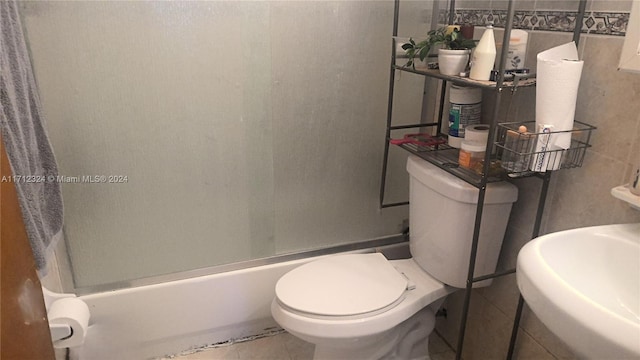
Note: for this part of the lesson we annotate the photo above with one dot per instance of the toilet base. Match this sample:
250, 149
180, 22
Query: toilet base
407, 341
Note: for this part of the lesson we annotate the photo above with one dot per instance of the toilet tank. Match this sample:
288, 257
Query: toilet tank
442, 210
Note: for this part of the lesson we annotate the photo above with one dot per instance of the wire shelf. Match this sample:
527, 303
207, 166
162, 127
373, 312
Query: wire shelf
522, 152
445, 157
517, 152
431, 70
519, 81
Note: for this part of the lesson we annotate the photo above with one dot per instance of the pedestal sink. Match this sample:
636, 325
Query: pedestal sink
584, 285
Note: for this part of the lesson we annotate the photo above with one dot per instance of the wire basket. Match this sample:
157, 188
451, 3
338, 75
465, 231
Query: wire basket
521, 151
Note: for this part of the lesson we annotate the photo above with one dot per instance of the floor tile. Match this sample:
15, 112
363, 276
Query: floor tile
437, 345
221, 353
267, 348
449, 355
298, 349
288, 347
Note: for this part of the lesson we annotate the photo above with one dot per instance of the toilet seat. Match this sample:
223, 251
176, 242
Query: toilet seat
343, 286
316, 328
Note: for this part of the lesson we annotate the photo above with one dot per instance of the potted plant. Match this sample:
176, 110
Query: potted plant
453, 53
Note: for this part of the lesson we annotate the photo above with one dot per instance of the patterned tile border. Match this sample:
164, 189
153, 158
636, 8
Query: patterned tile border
601, 23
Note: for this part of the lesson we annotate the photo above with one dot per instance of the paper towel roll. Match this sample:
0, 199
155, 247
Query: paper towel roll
476, 133
557, 81
73, 312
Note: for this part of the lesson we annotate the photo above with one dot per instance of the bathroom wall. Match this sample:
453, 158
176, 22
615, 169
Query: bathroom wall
578, 197
243, 129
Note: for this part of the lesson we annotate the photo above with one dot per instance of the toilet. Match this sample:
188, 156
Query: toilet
363, 306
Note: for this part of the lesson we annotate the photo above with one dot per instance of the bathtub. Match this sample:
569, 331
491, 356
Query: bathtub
171, 317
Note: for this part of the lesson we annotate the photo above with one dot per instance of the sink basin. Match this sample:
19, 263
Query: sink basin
584, 285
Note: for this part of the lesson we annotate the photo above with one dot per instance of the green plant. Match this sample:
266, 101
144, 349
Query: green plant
452, 40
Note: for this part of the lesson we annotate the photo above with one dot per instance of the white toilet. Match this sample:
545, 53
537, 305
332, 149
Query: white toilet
363, 306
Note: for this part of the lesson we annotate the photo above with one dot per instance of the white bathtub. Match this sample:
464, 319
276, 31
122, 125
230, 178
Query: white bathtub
169, 318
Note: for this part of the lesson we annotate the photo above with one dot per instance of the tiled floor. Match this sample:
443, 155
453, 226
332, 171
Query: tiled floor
287, 347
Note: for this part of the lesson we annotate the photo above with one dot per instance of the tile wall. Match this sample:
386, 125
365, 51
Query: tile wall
577, 197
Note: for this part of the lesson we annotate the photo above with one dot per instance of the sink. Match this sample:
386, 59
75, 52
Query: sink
584, 285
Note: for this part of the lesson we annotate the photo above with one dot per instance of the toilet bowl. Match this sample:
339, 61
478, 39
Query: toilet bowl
366, 307
363, 306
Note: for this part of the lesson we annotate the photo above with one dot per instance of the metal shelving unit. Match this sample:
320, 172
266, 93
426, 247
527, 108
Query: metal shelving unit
446, 157
521, 80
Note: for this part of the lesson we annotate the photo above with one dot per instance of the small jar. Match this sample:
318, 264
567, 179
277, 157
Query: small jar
471, 153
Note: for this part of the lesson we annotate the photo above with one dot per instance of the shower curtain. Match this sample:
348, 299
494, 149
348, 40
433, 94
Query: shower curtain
34, 169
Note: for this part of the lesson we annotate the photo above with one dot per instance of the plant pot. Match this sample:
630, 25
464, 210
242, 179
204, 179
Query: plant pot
453, 62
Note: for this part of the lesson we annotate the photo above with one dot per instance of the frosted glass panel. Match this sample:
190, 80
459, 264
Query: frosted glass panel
244, 129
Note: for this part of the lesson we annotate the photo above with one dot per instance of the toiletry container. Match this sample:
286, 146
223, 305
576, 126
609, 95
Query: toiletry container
518, 148
517, 49
467, 30
484, 56
465, 109
471, 153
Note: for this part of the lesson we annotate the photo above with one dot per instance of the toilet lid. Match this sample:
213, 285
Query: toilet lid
342, 285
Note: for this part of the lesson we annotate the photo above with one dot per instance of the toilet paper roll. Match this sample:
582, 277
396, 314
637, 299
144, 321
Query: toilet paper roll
476, 133
73, 312
557, 80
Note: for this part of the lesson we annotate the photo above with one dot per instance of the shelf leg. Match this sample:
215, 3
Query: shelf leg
392, 80
546, 180
443, 93
472, 265
578, 28
516, 326
463, 321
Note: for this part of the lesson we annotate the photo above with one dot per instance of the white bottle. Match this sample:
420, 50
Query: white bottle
517, 49
484, 56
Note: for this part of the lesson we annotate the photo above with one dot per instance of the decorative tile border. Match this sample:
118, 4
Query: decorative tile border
602, 23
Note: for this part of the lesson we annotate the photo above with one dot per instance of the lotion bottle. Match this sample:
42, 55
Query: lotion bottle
517, 49
484, 56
